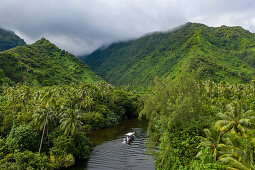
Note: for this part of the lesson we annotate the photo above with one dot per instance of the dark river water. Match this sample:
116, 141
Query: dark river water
110, 151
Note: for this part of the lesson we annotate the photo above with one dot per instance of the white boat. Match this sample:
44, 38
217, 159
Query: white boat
129, 137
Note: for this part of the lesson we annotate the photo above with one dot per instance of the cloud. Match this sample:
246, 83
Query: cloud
81, 26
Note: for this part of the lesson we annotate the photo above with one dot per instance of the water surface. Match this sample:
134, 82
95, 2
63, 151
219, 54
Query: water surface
110, 152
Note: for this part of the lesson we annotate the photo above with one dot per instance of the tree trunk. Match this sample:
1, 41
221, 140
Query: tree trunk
13, 104
27, 106
43, 131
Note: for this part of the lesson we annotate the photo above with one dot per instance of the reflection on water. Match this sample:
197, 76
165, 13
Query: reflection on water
111, 153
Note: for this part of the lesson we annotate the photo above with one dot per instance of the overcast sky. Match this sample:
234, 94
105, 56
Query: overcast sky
81, 26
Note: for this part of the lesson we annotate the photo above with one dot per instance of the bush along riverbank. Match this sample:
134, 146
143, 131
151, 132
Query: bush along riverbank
201, 125
45, 127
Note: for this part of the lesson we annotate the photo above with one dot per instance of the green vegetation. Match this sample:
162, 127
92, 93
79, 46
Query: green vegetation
201, 124
49, 99
42, 63
22, 138
222, 53
25, 160
44, 127
9, 39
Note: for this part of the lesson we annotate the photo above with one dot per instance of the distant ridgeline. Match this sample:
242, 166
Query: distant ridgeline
43, 63
9, 39
216, 53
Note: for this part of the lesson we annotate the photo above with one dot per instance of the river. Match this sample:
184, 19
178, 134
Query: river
110, 152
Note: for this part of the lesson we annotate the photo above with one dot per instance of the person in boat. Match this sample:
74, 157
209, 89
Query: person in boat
130, 136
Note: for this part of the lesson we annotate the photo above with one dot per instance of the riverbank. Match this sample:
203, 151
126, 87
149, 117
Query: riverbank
49, 123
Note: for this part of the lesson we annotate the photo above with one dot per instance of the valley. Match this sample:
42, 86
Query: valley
187, 93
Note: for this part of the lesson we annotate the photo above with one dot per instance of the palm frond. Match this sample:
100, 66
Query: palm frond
232, 162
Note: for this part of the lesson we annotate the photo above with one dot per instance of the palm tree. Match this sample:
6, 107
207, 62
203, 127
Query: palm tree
25, 95
70, 122
235, 119
209, 87
40, 118
12, 93
47, 101
213, 141
239, 153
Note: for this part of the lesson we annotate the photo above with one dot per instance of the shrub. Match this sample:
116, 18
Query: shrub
62, 161
25, 160
61, 145
77, 145
23, 138
93, 120
81, 146
206, 161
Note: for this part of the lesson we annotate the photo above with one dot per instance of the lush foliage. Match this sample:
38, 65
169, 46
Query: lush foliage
39, 117
187, 116
206, 161
23, 138
65, 148
193, 123
9, 39
223, 53
176, 111
25, 160
52, 120
43, 63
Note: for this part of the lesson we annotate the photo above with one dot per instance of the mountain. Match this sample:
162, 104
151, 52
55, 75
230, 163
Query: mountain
43, 63
9, 39
217, 53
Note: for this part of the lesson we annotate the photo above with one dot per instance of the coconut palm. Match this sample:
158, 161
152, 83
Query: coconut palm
235, 119
70, 122
40, 118
11, 92
24, 96
212, 140
47, 101
209, 87
239, 153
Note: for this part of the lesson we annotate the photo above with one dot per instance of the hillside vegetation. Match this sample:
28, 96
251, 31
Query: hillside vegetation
201, 124
9, 39
43, 63
221, 53
49, 99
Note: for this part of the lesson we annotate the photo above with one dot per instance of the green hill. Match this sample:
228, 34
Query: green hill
218, 53
43, 63
9, 39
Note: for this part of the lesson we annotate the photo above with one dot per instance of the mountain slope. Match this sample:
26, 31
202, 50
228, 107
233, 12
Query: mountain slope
222, 53
9, 39
45, 64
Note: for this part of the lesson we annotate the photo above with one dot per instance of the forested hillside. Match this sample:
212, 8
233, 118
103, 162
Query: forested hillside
43, 63
201, 124
9, 39
217, 53
48, 100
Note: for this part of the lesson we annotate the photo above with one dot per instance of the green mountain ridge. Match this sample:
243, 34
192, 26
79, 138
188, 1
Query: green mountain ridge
217, 53
9, 39
43, 63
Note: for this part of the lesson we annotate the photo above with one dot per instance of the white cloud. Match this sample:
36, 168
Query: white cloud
81, 26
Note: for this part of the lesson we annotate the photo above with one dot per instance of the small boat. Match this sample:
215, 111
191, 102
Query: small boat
129, 137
